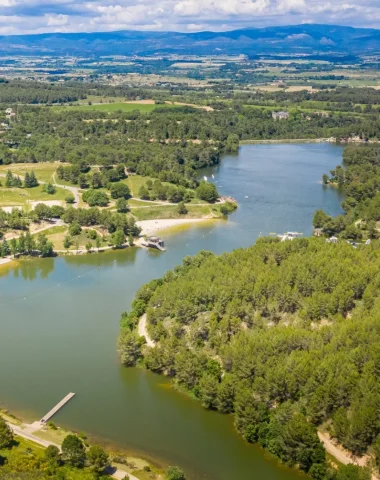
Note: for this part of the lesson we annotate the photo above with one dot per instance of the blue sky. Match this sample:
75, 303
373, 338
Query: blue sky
37, 16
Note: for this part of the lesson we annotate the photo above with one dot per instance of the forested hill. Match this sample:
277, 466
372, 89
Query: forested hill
284, 335
251, 41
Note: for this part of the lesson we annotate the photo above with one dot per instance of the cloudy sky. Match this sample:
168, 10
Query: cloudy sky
37, 16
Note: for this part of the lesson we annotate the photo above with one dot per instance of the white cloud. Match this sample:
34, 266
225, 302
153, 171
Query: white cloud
28, 16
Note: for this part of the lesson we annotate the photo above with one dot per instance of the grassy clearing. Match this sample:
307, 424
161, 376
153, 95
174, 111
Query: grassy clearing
56, 235
171, 212
10, 197
135, 182
43, 171
133, 202
113, 107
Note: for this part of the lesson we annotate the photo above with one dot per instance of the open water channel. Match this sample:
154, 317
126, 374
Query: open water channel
59, 320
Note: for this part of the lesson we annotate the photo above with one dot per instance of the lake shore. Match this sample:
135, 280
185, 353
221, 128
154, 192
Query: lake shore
152, 227
4, 261
288, 140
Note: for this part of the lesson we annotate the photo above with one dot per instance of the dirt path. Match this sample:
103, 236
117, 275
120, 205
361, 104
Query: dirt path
73, 190
143, 332
342, 455
57, 223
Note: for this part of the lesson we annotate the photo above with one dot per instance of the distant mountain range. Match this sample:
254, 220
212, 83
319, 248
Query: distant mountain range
301, 39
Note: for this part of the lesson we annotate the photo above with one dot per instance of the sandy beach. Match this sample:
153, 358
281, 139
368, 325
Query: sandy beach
152, 227
3, 261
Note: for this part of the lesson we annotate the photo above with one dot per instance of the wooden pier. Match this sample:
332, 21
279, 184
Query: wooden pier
59, 405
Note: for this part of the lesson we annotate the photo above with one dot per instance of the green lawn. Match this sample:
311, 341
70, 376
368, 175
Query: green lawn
43, 171
56, 235
22, 196
133, 202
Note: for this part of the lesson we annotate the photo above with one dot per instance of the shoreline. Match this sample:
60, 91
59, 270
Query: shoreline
150, 227
288, 140
43, 436
4, 261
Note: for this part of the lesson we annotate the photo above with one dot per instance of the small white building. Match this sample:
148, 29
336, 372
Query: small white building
8, 111
280, 115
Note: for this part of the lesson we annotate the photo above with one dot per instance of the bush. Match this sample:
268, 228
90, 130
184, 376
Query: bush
181, 209
207, 192
75, 229
91, 234
95, 198
70, 198
174, 473
49, 188
120, 190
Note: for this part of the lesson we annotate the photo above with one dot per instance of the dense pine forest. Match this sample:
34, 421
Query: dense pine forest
359, 178
283, 335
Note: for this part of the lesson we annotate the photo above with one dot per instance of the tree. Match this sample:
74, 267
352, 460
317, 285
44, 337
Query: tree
27, 183
52, 455
175, 473
67, 242
5, 249
120, 190
129, 347
376, 451
95, 198
44, 246
353, 472
181, 209
122, 205
118, 238
320, 219
49, 189
73, 451
6, 434
33, 179
70, 199
207, 192
9, 179
42, 212
144, 193
75, 229
98, 459
325, 179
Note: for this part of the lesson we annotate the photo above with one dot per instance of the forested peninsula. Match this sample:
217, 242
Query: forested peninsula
283, 335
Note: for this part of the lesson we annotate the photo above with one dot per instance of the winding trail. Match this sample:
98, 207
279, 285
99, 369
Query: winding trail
73, 190
143, 332
342, 455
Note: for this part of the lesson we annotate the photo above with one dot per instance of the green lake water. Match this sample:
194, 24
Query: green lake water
59, 320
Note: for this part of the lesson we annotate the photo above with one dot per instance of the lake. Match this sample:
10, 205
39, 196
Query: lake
59, 321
